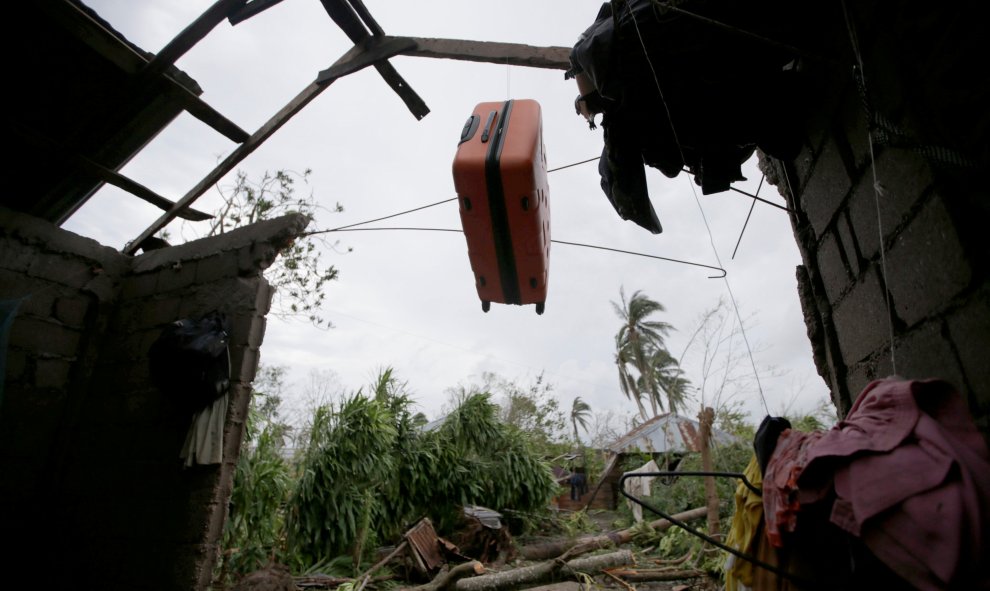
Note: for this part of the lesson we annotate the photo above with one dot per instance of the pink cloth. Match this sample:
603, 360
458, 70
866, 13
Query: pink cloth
911, 475
780, 482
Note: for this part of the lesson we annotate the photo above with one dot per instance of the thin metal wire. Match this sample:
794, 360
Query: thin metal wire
746, 223
877, 189
711, 239
351, 228
575, 164
394, 215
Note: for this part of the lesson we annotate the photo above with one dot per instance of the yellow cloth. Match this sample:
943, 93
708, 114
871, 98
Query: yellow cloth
745, 525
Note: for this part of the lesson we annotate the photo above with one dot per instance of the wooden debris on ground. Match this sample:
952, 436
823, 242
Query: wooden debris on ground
655, 574
555, 549
545, 571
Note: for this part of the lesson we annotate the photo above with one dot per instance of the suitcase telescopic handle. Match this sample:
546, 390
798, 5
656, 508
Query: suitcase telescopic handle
488, 126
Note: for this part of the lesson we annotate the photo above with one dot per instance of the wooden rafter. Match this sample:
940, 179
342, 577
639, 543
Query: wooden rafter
349, 21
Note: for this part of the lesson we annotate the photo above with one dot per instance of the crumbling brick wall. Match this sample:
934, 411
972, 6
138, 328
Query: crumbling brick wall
926, 112
89, 449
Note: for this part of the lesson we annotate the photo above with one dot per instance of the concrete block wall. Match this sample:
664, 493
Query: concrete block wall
917, 192
89, 448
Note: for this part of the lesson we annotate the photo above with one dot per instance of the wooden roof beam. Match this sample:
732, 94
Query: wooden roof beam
514, 54
356, 56
349, 21
252, 8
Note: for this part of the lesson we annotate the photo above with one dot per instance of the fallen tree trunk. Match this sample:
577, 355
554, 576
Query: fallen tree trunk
448, 579
555, 549
544, 571
655, 574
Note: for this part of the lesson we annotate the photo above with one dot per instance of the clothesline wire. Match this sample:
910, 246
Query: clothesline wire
711, 239
580, 244
877, 190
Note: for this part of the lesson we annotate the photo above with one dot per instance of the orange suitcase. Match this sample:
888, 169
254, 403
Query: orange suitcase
500, 175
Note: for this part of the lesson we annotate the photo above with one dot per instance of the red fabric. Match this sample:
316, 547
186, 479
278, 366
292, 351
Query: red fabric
780, 502
911, 476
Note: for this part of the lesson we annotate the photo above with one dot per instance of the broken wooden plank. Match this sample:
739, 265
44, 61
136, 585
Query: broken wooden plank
84, 28
190, 36
241, 152
366, 18
107, 175
250, 9
344, 15
513, 54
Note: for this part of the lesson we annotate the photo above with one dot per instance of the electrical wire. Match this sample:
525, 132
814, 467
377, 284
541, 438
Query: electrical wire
711, 238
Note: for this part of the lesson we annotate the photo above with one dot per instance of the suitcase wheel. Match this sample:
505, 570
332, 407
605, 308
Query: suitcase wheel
540, 307
486, 306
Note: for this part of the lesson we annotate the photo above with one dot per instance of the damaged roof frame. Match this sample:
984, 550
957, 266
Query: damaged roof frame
371, 48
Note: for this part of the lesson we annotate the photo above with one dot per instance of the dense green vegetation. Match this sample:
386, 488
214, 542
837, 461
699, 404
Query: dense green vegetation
369, 470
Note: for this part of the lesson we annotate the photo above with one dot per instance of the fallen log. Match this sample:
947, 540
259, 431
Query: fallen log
544, 571
555, 549
447, 579
655, 574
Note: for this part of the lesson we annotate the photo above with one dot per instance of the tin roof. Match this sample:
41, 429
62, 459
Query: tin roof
667, 433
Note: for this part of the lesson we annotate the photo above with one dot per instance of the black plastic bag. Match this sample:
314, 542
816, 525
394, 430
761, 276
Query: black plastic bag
190, 361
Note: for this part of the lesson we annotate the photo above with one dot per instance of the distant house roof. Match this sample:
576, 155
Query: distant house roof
667, 433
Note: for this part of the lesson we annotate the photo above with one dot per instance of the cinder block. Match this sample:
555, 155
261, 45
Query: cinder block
969, 330
926, 352
903, 177
849, 245
15, 256
72, 311
61, 269
52, 373
832, 268
157, 312
827, 187
216, 267
854, 122
179, 275
926, 266
860, 320
139, 286
243, 364
41, 336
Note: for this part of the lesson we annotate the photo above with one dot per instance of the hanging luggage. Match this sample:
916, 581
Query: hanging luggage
500, 175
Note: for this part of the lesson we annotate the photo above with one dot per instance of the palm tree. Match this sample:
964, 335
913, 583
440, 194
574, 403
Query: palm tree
637, 339
668, 379
580, 412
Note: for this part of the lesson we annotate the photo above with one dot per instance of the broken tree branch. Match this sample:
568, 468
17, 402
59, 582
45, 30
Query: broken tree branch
655, 574
554, 549
544, 571
448, 579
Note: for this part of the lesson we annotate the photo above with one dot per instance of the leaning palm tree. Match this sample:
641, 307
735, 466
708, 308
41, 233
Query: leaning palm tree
580, 412
667, 379
635, 342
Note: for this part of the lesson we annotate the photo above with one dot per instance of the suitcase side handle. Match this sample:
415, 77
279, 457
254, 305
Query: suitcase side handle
470, 127
488, 127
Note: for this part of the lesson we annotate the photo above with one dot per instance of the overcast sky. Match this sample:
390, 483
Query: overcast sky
407, 299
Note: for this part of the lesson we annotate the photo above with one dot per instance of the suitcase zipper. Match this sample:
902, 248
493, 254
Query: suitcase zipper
497, 208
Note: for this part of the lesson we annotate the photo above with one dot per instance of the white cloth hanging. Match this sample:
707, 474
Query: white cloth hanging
640, 487
204, 441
